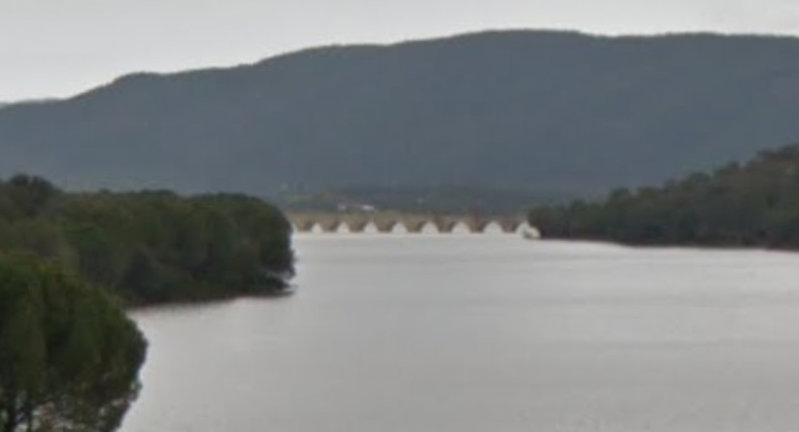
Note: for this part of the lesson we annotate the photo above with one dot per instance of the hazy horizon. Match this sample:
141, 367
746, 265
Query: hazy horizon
52, 48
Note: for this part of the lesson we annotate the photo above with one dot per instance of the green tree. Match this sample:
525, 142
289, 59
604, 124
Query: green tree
151, 246
69, 358
751, 204
30, 194
97, 255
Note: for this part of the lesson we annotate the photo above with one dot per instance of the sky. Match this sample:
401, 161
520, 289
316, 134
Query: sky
58, 48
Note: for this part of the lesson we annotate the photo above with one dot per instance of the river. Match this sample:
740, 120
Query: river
462, 333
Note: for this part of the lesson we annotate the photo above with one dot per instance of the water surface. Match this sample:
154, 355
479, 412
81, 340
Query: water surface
397, 333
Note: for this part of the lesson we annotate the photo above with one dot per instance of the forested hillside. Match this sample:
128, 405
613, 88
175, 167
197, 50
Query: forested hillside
155, 246
549, 112
755, 204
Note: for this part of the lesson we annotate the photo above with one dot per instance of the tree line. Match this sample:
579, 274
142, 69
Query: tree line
150, 246
752, 204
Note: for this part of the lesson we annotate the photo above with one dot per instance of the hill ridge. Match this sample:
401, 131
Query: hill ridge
537, 110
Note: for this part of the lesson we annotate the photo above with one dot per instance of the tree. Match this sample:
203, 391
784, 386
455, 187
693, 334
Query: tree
97, 255
150, 246
31, 194
751, 204
69, 358
141, 277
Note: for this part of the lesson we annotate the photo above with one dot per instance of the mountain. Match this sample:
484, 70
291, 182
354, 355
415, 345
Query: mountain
27, 101
556, 112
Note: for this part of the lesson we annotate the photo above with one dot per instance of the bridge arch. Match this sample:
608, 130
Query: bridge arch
330, 225
511, 225
386, 225
388, 222
357, 225
477, 226
415, 225
304, 225
444, 225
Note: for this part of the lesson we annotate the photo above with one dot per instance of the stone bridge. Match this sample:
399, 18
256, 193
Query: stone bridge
386, 222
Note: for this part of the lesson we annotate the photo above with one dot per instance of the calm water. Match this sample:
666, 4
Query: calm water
486, 333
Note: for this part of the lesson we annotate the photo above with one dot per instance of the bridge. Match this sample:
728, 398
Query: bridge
387, 222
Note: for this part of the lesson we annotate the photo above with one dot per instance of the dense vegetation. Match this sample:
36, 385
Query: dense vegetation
154, 246
755, 204
69, 358
555, 112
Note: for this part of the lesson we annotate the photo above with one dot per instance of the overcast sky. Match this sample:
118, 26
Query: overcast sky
62, 47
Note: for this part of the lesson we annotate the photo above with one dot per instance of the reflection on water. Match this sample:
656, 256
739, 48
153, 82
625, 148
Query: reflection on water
486, 333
